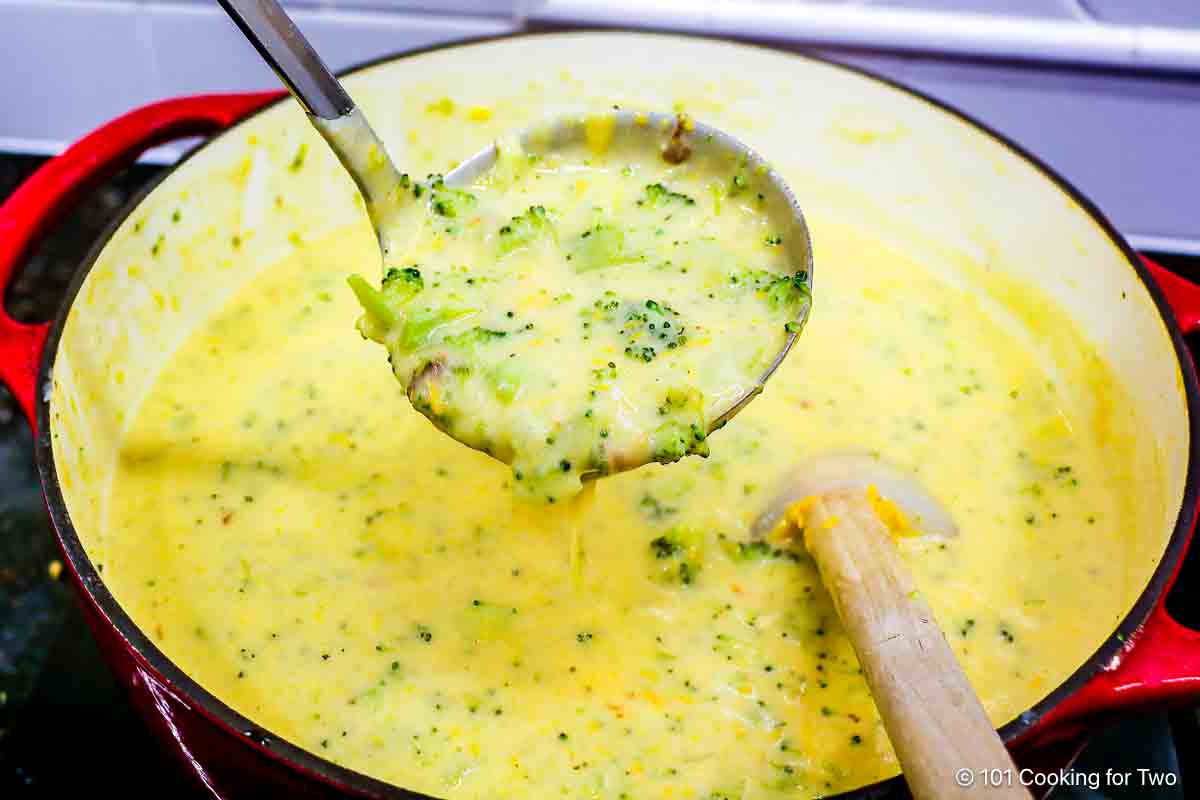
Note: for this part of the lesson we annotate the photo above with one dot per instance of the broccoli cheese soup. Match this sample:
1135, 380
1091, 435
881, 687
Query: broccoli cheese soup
315, 553
587, 310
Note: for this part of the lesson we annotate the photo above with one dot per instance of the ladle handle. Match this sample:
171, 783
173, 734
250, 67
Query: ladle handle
945, 742
284, 48
329, 108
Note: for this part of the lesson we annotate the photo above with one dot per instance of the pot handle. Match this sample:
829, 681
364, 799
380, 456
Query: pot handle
1159, 666
1182, 295
48, 193
1160, 663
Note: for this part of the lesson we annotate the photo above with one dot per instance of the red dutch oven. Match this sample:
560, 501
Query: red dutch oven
1149, 660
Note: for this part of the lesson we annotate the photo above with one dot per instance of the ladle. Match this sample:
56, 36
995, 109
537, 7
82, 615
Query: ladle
344, 127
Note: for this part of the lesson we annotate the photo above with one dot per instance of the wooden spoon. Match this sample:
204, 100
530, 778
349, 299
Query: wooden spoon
946, 744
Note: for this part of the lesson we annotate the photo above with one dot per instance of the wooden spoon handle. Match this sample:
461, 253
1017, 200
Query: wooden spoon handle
932, 715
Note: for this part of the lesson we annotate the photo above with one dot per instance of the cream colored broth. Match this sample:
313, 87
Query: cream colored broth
317, 555
585, 311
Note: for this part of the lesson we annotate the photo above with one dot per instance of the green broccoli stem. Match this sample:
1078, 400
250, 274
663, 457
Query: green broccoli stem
372, 301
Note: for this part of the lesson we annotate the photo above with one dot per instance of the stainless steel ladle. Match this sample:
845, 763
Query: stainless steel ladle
674, 137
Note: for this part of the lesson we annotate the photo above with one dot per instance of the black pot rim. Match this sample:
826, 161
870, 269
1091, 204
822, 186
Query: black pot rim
344, 779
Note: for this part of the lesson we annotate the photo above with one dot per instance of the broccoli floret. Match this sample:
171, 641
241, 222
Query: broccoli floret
678, 555
419, 324
664, 547
757, 550
738, 184
403, 283
600, 246
525, 229
742, 280
787, 290
683, 431
604, 309
447, 202
475, 337
780, 291
681, 398
658, 196
650, 328
384, 306
674, 440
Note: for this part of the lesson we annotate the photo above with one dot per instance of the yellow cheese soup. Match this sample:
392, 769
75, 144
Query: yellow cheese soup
588, 310
290, 532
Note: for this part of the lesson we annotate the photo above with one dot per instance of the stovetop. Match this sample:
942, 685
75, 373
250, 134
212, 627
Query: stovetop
65, 726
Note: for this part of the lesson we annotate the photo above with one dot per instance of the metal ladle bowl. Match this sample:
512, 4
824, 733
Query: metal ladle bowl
678, 138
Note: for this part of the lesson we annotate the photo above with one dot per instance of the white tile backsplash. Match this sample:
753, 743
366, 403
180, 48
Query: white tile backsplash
483, 8
198, 49
350, 37
1181, 13
69, 66
64, 67
1041, 9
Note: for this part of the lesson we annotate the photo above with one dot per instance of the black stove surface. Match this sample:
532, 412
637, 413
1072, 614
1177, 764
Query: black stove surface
65, 726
